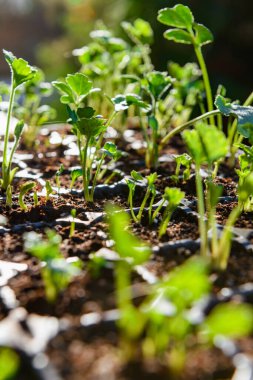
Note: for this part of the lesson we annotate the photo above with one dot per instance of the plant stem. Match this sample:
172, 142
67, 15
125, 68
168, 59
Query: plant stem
84, 167
143, 204
209, 96
5, 165
189, 123
201, 211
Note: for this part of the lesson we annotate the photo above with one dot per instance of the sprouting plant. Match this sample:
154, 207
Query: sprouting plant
57, 272
207, 144
245, 174
75, 174
149, 194
182, 160
9, 196
24, 189
186, 31
173, 197
57, 178
73, 223
131, 252
49, 190
35, 198
9, 363
21, 72
170, 313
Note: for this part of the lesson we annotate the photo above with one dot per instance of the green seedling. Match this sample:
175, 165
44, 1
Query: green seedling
186, 31
75, 174
207, 145
149, 194
49, 190
9, 196
21, 72
57, 178
73, 223
24, 189
57, 272
173, 197
35, 198
9, 363
131, 252
182, 160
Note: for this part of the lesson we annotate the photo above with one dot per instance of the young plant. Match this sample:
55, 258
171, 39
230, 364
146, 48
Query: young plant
21, 72
182, 160
132, 252
49, 190
24, 189
186, 31
73, 223
57, 272
207, 145
173, 197
245, 175
149, 194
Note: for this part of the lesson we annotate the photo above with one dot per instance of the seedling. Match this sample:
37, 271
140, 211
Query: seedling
49, 190
73, 223
57, 272
24, 189
187, 31
149, 194
21, 72
9, 196
131, 252
35, 198
173, 196
75, 174
182, 160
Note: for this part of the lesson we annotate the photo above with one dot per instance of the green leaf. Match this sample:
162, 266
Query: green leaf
80, 86
245, 190
86, 112
186, 284
136, 176
140, 30
123, 102
19, 129
158, 82
206, 143
127, 245
64, 89
215, 191
242, 113
229, 320
22, 71
203, 34
178, 35
91, 127
174, 196
179, 16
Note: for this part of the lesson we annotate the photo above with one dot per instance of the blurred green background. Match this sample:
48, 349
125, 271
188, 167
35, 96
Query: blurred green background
46, 31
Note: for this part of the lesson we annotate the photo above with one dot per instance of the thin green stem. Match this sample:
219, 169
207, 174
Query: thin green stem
143, 204
201, 211
187, 125
209, 96
84, 168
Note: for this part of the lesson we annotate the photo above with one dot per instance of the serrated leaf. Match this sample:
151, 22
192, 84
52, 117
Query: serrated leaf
80, 86
179, 16
22, 71
244, 114
203, 34
178, 35
206, 143
91, 127
86, 112
158, 82
123, 102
